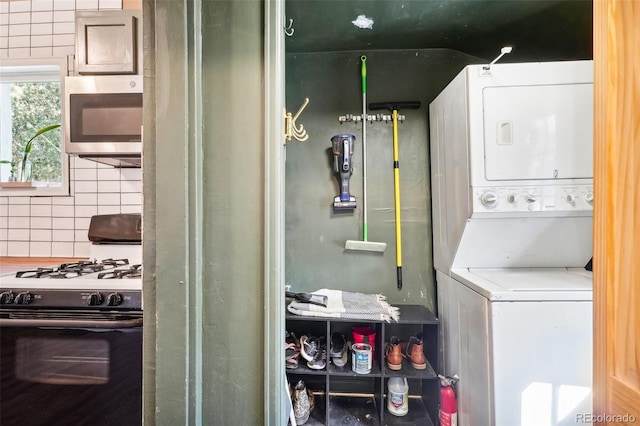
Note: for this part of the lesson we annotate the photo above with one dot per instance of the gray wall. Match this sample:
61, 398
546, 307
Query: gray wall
315, 235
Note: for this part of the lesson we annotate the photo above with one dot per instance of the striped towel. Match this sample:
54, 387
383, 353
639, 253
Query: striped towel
344, 304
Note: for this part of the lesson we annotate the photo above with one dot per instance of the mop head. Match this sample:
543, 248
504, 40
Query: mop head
365, 246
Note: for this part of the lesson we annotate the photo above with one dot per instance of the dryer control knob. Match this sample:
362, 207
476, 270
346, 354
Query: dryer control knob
588, 197
569, 198
489, 199
530, 198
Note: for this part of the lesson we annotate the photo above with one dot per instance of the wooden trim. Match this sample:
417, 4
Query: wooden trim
599, 209
131, 4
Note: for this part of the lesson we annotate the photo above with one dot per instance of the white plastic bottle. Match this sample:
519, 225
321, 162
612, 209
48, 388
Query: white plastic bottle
398, 396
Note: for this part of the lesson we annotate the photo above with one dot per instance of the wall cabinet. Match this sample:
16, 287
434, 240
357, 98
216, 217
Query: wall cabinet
342, 397
108, 42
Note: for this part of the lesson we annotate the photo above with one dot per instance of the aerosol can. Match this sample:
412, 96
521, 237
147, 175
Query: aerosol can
448, 405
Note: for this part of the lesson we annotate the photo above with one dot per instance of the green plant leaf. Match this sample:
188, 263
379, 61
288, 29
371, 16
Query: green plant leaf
28, 146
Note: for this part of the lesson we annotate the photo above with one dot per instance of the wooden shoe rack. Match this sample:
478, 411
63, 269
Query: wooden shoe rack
343, 397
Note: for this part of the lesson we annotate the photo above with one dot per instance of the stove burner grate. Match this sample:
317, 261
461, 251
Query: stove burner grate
85, 267
134, 271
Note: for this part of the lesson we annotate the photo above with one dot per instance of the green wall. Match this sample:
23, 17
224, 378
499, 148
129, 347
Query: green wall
315, 235
204, 212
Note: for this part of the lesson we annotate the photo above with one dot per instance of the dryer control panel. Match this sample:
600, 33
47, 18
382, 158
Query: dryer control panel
523, 199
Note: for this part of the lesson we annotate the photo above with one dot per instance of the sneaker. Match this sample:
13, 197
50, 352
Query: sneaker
319, 360
302, 401
393, 353
308, 347
413, 350
338, 350
292, 350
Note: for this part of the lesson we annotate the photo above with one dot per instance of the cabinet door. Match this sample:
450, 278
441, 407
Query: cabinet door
106, 43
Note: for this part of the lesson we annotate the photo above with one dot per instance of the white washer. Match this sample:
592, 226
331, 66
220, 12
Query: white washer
524, 343
512, 186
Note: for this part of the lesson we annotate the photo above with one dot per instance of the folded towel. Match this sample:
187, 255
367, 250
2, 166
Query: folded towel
344, 304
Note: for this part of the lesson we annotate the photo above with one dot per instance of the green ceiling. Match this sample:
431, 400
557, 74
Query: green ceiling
537, 29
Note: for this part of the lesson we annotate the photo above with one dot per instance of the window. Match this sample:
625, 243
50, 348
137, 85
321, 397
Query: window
31, 99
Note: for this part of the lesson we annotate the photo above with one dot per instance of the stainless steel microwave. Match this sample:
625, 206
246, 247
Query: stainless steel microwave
103, 116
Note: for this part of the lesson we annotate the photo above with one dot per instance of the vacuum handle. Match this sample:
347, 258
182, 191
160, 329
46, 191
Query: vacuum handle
391, 106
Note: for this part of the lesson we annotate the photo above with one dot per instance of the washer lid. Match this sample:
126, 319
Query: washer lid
528, 284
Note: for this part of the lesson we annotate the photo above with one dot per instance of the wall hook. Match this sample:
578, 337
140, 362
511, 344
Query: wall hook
292, 130
289, 30
503, 51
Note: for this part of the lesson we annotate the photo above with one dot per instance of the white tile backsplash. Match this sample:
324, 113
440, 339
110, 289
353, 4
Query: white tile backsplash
21, 222
19, 18
85, 211
43, 17
41, 210
40, 222
59, 223
41, 52
67, 28
62, 39
18, 248
61, 249
57, 226
64, 16
64, 5
86, 199
62, 211
40, 249
41, 235
39, 5
63, 235
18, 6
18, 234
108, 186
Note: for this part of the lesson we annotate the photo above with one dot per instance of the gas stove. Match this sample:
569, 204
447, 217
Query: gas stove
106, 284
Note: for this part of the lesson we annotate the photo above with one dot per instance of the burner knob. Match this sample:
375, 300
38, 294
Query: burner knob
95, 299
114, 299
6, 298
23, 298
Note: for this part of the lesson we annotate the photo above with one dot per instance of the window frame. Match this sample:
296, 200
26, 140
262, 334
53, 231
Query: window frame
64, 188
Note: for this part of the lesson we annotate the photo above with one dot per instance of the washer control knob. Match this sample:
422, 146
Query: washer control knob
569, 198
530, 198
95, 299
114, 299
489, 199
511, 198
23, 298
588, 197
6, 298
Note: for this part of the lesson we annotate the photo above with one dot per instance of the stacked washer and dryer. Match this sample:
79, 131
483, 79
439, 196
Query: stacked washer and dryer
512, 183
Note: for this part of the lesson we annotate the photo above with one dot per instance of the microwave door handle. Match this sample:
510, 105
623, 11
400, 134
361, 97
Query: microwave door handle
70, 323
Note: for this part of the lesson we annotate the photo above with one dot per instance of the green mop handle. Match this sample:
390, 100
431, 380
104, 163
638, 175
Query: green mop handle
363, 72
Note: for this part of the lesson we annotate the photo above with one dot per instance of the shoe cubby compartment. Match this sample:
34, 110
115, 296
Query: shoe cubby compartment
317, 385
352, 398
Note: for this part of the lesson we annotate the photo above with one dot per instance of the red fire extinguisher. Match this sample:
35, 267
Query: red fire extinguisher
448, 405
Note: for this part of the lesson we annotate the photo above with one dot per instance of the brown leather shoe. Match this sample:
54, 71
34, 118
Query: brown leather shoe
413, 350
393, 354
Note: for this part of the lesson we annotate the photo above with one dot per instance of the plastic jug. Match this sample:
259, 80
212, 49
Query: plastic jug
398, 396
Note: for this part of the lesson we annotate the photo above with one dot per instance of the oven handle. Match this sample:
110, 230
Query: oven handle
71, 323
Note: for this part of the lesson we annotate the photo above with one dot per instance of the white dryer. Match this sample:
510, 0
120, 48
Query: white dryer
512, 186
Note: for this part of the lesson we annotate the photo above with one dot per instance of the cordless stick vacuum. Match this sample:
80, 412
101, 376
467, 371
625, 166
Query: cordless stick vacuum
343, 168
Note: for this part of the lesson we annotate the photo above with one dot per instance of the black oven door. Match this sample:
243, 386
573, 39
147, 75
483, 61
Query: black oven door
52, 373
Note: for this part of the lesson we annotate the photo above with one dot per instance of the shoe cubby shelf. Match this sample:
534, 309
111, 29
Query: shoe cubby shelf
343, 397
